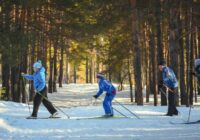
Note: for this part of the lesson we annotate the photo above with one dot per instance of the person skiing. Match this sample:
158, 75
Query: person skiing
170, 82
105, 85
197, 70
38, 78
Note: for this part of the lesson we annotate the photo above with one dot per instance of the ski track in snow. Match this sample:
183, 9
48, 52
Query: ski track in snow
76, 101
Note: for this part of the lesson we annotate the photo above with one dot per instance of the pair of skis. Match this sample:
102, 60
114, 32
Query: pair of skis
192, 122
86, 118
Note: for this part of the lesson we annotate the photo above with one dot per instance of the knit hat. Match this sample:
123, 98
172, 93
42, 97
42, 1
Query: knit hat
100, 76
196, 62
37, 64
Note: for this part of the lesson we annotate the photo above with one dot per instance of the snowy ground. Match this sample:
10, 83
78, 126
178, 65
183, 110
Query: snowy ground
76, 101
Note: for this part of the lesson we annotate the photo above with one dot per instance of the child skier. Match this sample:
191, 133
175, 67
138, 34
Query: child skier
170, 82
105, 85
41, 90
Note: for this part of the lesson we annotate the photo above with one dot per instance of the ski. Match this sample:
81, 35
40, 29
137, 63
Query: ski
43, 118
164, 115
192, 122
102, 117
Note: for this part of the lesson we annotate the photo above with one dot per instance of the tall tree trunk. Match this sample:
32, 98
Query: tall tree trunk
61, 67
191, 54
137, 51
173, 37
6, 77
50, 82
74, 73
182, 65
67, 66
147, 69
152, 46
87, 71
159, 47
55, 69
130, 81
91, 71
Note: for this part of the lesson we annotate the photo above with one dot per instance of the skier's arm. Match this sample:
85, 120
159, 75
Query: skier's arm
28, 77
165, 75
99, 92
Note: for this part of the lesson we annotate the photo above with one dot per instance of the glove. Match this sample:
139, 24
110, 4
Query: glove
160, 86
95, 96
23, 74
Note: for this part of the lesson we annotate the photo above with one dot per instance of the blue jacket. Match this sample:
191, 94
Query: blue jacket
105, 85
169, 78
38, 79
197, 71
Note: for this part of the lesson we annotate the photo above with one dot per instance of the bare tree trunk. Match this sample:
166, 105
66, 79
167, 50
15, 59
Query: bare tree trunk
6, 77
61, 67
190, 58
182, 65
55, 69
130, 81
137, 59
50, 82
87, 71
147, 69
67, 66
74, 73
173, 38
91, 71
159, 47
152, 46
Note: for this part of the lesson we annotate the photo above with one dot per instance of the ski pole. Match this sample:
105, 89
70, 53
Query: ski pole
23, 80
163, 92
127, 109
168, 88
189, 113
54, 105
120, 112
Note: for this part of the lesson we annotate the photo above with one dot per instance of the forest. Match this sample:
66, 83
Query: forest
76, 39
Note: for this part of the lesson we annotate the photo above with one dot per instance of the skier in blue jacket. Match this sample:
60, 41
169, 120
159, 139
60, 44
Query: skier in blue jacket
40, 88
105, 85
170, 82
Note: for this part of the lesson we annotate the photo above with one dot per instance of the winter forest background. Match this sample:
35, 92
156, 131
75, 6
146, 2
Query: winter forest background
75, 39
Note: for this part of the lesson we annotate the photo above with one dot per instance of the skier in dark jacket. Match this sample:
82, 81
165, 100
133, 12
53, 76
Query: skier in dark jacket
197, 70
105, 85
170, 82
40, 88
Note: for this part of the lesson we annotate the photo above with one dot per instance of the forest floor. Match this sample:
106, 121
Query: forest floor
77, 101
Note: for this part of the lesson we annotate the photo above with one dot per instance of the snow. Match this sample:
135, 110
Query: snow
76, 101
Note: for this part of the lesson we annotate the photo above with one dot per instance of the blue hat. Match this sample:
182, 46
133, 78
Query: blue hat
37, 64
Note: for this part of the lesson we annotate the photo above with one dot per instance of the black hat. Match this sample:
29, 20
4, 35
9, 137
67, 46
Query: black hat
162, 62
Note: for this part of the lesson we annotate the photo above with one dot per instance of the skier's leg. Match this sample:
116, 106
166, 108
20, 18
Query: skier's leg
170, 104
111, 97
47, 103
106, 105
36, 103
175, 111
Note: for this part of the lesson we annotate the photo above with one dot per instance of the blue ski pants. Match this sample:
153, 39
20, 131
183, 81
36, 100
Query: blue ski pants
107, 103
